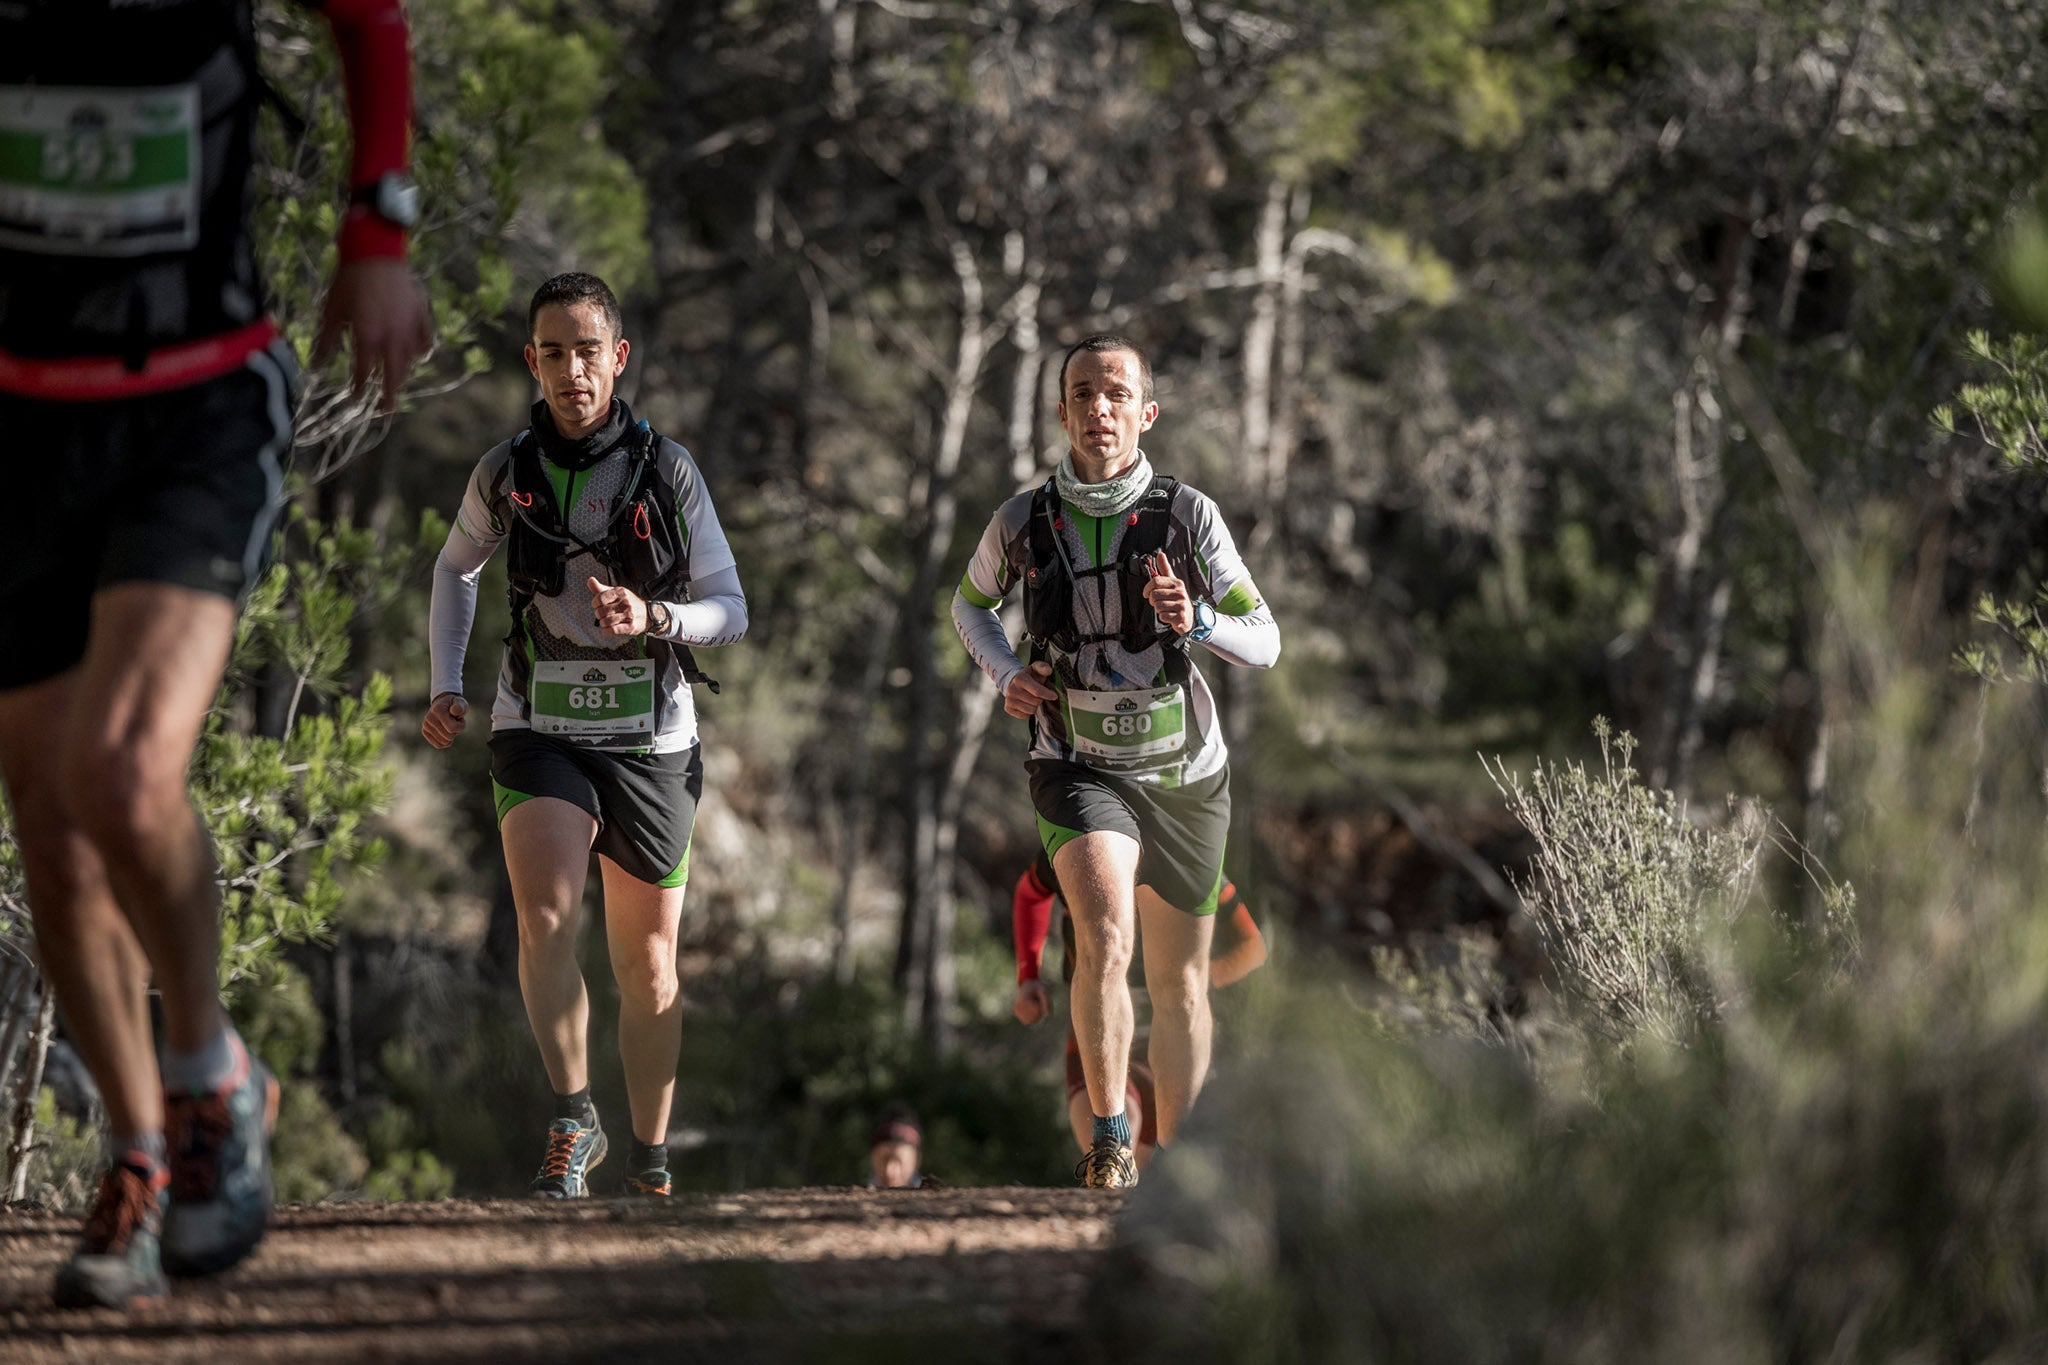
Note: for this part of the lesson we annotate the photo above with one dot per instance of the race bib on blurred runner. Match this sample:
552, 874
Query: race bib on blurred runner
594, 699
1139, 731
99, 172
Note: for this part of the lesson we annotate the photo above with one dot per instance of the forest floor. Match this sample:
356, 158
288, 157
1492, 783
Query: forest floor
769, 1275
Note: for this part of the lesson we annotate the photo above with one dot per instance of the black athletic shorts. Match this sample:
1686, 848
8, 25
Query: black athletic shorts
181, 487
645, 805
1180, 830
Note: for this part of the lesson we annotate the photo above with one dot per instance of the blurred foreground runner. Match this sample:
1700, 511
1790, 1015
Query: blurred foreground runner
1123, 571
151, 399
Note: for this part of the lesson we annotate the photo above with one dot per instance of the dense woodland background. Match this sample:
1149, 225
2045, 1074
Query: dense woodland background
1661, 361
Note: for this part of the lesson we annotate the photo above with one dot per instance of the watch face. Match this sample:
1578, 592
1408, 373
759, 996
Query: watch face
398, 200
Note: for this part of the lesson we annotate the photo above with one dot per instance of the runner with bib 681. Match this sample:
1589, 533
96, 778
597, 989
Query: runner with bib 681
617, 567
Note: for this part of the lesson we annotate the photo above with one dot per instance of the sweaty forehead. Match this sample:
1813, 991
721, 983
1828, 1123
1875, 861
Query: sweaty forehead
567, 324
1099, 369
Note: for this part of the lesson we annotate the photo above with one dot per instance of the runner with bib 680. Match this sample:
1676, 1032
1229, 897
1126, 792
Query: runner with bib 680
1123, 570
617, 567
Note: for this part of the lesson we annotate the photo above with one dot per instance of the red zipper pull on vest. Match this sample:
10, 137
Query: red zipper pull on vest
525, 501
641, 527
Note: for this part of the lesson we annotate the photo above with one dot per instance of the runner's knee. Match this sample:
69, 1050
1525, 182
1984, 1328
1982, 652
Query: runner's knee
1103, 939
647, 985
546, 924
126, 796
1180, 995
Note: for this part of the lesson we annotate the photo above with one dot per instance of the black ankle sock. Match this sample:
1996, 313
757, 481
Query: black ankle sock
649, 1156
577, 1107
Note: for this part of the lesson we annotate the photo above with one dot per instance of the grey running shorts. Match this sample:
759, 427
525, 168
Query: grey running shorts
1180, 830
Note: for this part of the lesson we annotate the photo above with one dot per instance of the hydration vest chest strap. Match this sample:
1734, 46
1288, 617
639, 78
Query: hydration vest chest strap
1050, 575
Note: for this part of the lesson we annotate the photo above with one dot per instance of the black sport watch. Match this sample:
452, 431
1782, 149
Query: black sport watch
392, 197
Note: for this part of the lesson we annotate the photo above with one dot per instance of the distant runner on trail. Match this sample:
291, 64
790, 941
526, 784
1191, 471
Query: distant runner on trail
618, 567
1239, 949
1123, 571
148, 400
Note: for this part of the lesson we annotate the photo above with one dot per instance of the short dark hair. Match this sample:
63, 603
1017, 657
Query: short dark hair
1110, 341
572, 288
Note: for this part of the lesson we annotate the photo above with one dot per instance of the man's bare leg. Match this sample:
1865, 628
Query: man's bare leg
1096, 872
84, 943
641, 923
547, 853
1176, 946
96, 763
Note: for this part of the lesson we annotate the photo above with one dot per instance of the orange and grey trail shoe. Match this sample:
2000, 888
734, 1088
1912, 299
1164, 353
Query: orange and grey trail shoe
117, 1263
653, 1184
220, 1192
572, 1150
1108, 1166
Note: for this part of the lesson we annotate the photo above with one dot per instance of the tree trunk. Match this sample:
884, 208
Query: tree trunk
1261, 335
22, 1143
940, 985
344, 962
854, 804
927, 995
17, 1012
1024, 406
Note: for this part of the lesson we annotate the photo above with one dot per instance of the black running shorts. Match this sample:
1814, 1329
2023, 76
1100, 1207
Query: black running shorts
645, 805
181, 487
1180, 830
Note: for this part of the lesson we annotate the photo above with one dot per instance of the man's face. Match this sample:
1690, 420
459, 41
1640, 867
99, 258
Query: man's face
575, 359
1104, 408
894, 1163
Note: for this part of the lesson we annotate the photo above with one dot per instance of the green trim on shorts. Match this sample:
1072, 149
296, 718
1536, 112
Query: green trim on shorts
1210, 905
680, 875
1055, 837
505, 798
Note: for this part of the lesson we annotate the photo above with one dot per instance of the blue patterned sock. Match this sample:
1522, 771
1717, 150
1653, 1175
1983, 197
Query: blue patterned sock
1116, 1128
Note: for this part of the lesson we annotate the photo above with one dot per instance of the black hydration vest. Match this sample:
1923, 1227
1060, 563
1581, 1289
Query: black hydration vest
642, 547
1050, 578
61, 298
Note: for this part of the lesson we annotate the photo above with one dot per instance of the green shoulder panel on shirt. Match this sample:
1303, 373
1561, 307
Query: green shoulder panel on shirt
977, 596
1241, 600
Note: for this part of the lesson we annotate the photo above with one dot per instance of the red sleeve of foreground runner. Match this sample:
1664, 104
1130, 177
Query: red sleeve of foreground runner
376, 66
1030, 921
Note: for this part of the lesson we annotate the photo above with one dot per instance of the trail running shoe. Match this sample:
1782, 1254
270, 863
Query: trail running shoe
1108, 1166
117, 1263
654, 1184
220, 1170
572, 1151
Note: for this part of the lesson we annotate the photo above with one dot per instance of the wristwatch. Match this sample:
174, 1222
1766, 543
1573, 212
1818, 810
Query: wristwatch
1205, 622
392, 197
658, 619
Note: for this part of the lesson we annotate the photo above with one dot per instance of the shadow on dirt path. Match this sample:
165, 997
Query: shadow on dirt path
818, 1274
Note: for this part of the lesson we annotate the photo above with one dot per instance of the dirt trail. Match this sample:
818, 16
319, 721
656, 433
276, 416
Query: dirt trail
816, 1274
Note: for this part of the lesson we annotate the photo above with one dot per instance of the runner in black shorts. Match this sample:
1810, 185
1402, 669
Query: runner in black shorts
149, 404
617, 567
1124, 571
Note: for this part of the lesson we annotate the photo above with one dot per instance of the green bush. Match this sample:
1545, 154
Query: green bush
1802, 1155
